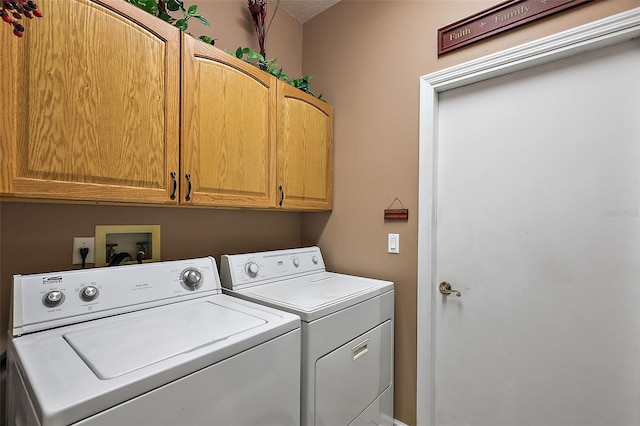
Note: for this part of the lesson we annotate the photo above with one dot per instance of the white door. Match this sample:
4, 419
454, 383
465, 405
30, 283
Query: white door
538, 226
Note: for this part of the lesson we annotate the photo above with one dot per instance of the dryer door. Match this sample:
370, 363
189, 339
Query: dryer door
352, 377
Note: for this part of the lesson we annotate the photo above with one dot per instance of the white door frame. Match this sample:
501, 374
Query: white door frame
612, 30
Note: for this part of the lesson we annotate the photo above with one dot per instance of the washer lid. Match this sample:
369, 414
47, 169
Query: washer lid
120, 347
314, 296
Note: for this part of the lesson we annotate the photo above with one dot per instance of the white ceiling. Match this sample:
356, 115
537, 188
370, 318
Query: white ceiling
303, 10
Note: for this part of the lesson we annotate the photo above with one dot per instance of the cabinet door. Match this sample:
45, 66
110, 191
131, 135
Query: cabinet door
305, 151
90, 104
228, 133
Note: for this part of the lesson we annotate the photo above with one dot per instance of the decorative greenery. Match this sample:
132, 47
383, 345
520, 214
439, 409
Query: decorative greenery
163, 8
256, 59
258, 11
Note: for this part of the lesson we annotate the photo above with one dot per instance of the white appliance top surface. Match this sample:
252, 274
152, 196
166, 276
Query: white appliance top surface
295, 280
156, 336
317, 295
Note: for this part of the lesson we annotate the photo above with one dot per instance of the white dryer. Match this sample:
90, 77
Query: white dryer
152, 344
347, 331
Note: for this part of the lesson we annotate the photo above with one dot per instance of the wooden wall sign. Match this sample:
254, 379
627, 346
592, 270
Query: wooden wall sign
504, 16
396, 214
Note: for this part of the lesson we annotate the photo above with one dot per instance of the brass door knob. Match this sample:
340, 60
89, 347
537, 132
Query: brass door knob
445, 288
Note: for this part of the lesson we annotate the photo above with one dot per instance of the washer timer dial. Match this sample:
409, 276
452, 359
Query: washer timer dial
191, 279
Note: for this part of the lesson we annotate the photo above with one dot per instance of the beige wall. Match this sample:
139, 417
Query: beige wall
367, 57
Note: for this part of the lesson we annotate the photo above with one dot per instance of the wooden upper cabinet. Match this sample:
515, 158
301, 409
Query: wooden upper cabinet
228, 129
90, 106
305, 151
104, 102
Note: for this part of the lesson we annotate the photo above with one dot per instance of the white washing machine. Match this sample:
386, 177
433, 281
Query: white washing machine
151, 344
347, 331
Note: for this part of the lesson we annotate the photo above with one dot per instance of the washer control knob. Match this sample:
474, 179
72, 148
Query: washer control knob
296, 262
314, 259
252, 268
89, 293
53, 298
191, 279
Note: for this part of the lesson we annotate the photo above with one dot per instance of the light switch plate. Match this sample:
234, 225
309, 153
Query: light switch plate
393, 245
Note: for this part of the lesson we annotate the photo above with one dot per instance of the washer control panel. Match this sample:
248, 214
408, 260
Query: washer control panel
42, 301
246, 270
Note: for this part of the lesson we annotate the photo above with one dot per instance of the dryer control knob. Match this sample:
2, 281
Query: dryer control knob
53, 298
314, 259
191, 279
296, 262
252, 269
89, 293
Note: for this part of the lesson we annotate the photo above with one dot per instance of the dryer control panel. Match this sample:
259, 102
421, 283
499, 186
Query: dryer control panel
249, 269
43, 301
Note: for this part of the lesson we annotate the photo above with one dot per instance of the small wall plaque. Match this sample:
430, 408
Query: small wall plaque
396, 214
502, 17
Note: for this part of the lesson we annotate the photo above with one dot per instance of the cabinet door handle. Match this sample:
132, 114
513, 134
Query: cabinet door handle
175, 186
188, 197
281, 195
